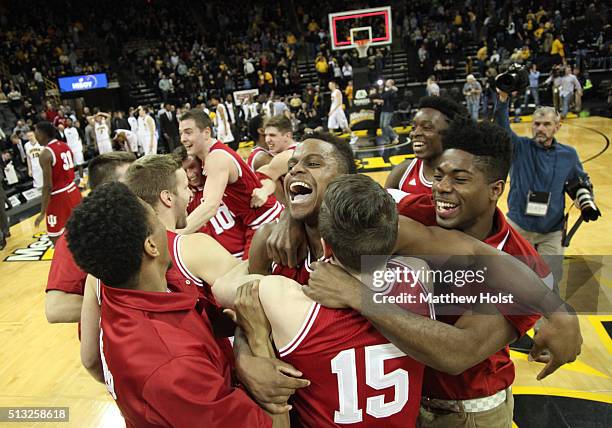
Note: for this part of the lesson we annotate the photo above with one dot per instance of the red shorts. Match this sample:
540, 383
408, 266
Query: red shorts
59, 210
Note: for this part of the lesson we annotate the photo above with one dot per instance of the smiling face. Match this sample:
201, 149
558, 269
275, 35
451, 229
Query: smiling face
193, 138
182, 196
312, 167
461, 192
193, 168
426, 135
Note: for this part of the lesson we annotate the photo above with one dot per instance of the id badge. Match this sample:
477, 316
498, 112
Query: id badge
537, 203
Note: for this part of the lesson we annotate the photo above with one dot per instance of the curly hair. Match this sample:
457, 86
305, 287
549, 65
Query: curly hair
489, 143
344, 153
447, 106
357, 218
106, 232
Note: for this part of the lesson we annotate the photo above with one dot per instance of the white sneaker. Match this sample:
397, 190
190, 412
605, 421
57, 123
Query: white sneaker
353, 139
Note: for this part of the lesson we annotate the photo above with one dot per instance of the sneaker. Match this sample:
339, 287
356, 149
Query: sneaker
353, 139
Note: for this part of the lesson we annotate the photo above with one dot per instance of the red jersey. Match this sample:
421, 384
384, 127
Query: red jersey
65, 275
180, 275
414, 180
238, 194
65, 194
163, 366
356, 375
224, 227
257, 151
300, 274
496, 372
62, 171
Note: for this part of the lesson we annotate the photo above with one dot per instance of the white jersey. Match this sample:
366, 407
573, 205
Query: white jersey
336, 100
73, 139
33, 152
103, 137
133, 123
145, 141
224, 132
132, 139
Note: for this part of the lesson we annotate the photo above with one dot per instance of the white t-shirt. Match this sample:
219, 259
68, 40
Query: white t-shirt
73, 139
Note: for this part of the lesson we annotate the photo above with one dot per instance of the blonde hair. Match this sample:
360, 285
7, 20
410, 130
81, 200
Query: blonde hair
151, 175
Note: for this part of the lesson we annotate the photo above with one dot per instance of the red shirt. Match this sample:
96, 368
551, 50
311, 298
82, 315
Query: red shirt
257, 150
163, 366
300, 274
64, 274
356, 375
414, 180
496, 372
224, 227
62, 166
238, 194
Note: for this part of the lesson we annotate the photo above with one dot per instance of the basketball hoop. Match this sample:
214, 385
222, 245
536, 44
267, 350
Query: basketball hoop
362, 47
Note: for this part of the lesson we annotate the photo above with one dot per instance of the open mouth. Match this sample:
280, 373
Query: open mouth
446, 209
299, 192
418, 145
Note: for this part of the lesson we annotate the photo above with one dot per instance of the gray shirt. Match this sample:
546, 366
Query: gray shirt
472, 91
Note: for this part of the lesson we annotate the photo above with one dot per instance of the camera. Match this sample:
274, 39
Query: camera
580, 190
516, 78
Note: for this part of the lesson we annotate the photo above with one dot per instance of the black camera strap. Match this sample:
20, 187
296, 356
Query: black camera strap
566, 237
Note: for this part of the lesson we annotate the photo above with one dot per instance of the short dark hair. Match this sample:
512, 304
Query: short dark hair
447, 106
102, 168
488, 142
254, 125
180, 153
152, 174
201, 119
280, 122
357, 218
46, 128
344, 154
106, 232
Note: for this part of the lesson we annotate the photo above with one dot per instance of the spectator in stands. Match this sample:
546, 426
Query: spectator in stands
534, 86
472, 91
432, 88
557, 50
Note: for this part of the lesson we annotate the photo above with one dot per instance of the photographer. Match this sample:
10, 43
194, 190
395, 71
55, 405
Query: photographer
542, 171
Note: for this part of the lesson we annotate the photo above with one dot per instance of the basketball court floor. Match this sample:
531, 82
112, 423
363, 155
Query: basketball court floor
40, 365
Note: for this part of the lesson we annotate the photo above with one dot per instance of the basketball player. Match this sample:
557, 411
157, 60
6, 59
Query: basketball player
318, 160
222, 123
260, 155
279, 137
162, 363
224, 227
73, 139
127, 140
33, 150
102, 132
146, 132
197, 261
66, 281
429, 125
336, 119
226, 174
59, 193
468, 182
357, 376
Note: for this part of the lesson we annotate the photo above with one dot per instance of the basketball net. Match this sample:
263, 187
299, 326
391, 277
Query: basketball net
362, 47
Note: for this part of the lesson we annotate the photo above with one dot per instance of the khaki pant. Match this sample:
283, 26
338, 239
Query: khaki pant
499, 417
549, 246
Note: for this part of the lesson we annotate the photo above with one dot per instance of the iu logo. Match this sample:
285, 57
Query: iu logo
52, 220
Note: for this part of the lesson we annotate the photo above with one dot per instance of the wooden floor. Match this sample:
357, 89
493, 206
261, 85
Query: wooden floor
39, 363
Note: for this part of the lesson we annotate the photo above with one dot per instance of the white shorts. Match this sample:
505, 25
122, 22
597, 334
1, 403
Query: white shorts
337, 120
105, 147
78, 157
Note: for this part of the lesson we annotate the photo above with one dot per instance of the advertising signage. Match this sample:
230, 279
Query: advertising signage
83, 83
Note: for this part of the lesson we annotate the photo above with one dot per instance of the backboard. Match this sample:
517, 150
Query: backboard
372, 24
